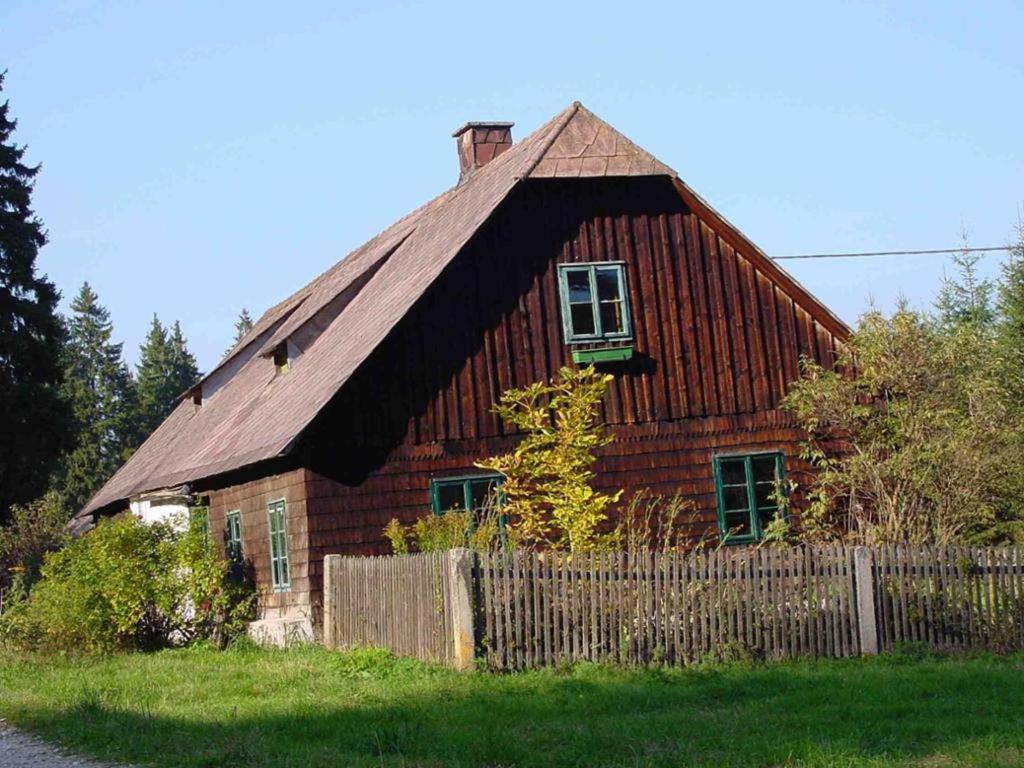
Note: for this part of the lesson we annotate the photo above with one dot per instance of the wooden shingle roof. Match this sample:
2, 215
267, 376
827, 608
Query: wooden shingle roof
251, 414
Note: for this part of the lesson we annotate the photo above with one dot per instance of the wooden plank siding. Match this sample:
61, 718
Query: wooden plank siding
716, 341
251, 499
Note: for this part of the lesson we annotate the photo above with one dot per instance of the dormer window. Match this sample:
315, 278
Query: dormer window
280, 357
197, 397
595, 302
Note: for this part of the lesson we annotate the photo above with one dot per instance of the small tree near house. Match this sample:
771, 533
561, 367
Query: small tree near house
931, 435
548, 475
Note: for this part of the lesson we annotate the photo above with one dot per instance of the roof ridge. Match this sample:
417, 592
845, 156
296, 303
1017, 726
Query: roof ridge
568, 114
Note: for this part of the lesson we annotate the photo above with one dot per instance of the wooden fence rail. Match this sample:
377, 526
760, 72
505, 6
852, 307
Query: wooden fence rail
528, 609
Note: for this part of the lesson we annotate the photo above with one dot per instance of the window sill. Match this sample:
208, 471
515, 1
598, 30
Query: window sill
606, 355
740, 541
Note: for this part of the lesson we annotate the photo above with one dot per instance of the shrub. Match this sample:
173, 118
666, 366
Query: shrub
130, 585
34, 530
548, 476
657, 522
437, 533
930, 435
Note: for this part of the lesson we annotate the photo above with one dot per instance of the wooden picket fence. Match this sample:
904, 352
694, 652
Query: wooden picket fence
950, 598
547, 608
521, 609
402, 603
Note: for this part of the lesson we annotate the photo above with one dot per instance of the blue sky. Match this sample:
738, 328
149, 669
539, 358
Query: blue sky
200, 157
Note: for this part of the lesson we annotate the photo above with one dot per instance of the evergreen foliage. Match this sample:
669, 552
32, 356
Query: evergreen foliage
242, 325
155, 389
166, 369
966, 298
34, 422
182, 367
1010, 328
102, 395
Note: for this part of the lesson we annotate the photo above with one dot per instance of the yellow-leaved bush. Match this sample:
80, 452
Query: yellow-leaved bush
548, 492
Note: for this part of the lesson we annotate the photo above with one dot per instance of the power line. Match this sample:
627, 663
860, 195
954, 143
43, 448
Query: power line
894, 253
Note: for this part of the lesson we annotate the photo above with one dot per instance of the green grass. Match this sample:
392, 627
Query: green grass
309, 707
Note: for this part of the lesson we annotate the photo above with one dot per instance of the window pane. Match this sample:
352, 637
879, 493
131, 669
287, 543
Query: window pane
611, 317
763, 495
764, 468
735, 498
582, 319
737, 523
608, 284
450, 496
483, 493
766, 516
579, 286
733, 472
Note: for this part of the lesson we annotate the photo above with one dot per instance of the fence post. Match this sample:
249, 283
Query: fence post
460, 584
332, 570
863, 570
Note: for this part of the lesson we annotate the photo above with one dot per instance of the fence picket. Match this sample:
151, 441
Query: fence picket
536, 609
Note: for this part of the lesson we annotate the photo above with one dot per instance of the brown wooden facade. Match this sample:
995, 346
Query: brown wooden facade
717, 339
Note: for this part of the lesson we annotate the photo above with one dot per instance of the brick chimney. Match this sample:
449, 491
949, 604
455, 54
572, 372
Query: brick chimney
479, 143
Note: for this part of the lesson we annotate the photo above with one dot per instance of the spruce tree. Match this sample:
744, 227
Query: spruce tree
153, 379
183, 371
101, 391
35, 425
966, 298
1010, 302
242, 325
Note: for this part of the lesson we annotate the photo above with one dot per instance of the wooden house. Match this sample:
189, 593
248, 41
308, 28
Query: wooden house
367, 394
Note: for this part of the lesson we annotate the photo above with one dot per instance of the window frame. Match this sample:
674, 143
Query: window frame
436, 483
599, 335
233, 535
279, 584
756, 533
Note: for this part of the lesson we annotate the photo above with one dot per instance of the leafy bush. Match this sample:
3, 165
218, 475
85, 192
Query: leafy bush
130, 585
437, 533
34, 530
548, 475
930, 438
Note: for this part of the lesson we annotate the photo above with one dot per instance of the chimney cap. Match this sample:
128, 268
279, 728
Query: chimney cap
481, 124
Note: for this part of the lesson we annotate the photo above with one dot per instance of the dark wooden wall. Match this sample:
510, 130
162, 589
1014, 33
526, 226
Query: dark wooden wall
717, 342
251, 498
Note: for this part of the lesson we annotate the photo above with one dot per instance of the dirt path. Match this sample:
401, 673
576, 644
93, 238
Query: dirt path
19, 750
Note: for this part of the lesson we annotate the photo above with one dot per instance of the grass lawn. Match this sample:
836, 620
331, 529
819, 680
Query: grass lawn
309, 707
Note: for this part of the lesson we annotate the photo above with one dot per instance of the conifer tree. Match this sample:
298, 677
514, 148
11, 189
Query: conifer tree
34, 422
153, 376
1010, 301
101, 392
242, 325
183, 371
966, 298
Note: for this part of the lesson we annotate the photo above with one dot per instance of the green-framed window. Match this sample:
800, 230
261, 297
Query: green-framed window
595, 302
233, 535
280, 573
469, 492
750, 491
